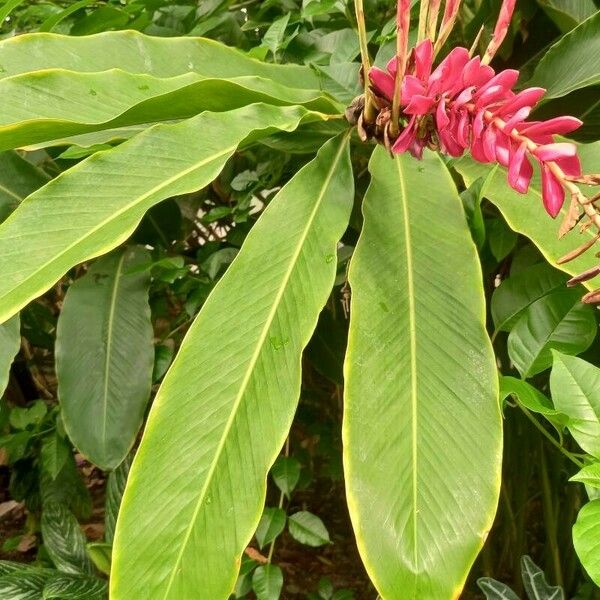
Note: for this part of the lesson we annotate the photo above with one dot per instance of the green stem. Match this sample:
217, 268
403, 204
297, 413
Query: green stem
364, 56
545, 433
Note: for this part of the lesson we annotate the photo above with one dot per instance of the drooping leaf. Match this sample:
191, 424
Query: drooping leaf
64, 540
568, 65
75, 587
18, 179
495, 590
532, 399
271, 524
525, 212
535, 583
557, 321
166, 160
422, 425
137, 53
575, 387
105, 356
589, 475
286, 474
231, 404
267, 582
10, 341
115, 488
586, 539
308, 529
515, 294
43, 106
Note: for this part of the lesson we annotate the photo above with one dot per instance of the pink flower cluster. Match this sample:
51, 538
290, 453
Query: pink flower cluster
464, 105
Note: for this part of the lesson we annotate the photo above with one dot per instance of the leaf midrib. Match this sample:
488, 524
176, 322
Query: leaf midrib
253, 361
413, 356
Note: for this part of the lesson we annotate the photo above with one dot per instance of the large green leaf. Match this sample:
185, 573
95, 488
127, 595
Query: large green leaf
137, 53
575, 387
105, 356
18, 179
73, 218
557, 321
568, 13
586, 539
525, 212
10, 341
225, 406
571, 63
73, 587
422, 426
42, 106
64, 540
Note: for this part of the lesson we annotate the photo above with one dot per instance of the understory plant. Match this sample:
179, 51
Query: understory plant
192, 235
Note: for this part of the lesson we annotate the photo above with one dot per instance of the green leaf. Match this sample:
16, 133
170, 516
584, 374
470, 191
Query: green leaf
54, 108
101, 555
535, 583
575, 387
24, 585
22, 417
569, 64
105, 356
275, 34
422, 425
588, 475
64, 540
18, 179
267, 582
74, 587
54, 454
271, 524
308, 529
568, 13
517, 293
137, 53
501, 238
586, 539
286, 474
143, 171
525, 212
557, 321
231, 404
10, 342
532, 399
495, 590
115, 488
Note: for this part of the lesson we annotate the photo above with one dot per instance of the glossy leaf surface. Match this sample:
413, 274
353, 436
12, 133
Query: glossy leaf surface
230, 395
105, 356
422, 428
55, 228
586, 538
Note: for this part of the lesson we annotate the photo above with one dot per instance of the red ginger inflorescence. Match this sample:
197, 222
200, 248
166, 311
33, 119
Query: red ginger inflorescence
464, 105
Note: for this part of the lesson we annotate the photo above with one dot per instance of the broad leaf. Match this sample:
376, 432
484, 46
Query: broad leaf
589, 475
44, 106
136, 53
71, 587
27, 584
100, 554
64, 540
271, 524
115, 488
495, 590
308, 529
557, 321
525, 212
231, 403
570, 64
519, 291
10, 341
422, 425
55, 454
586, 539
55, 227
18, 179
575, 387
286, 474
568, 13
267, 582
105, 356
535, 582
